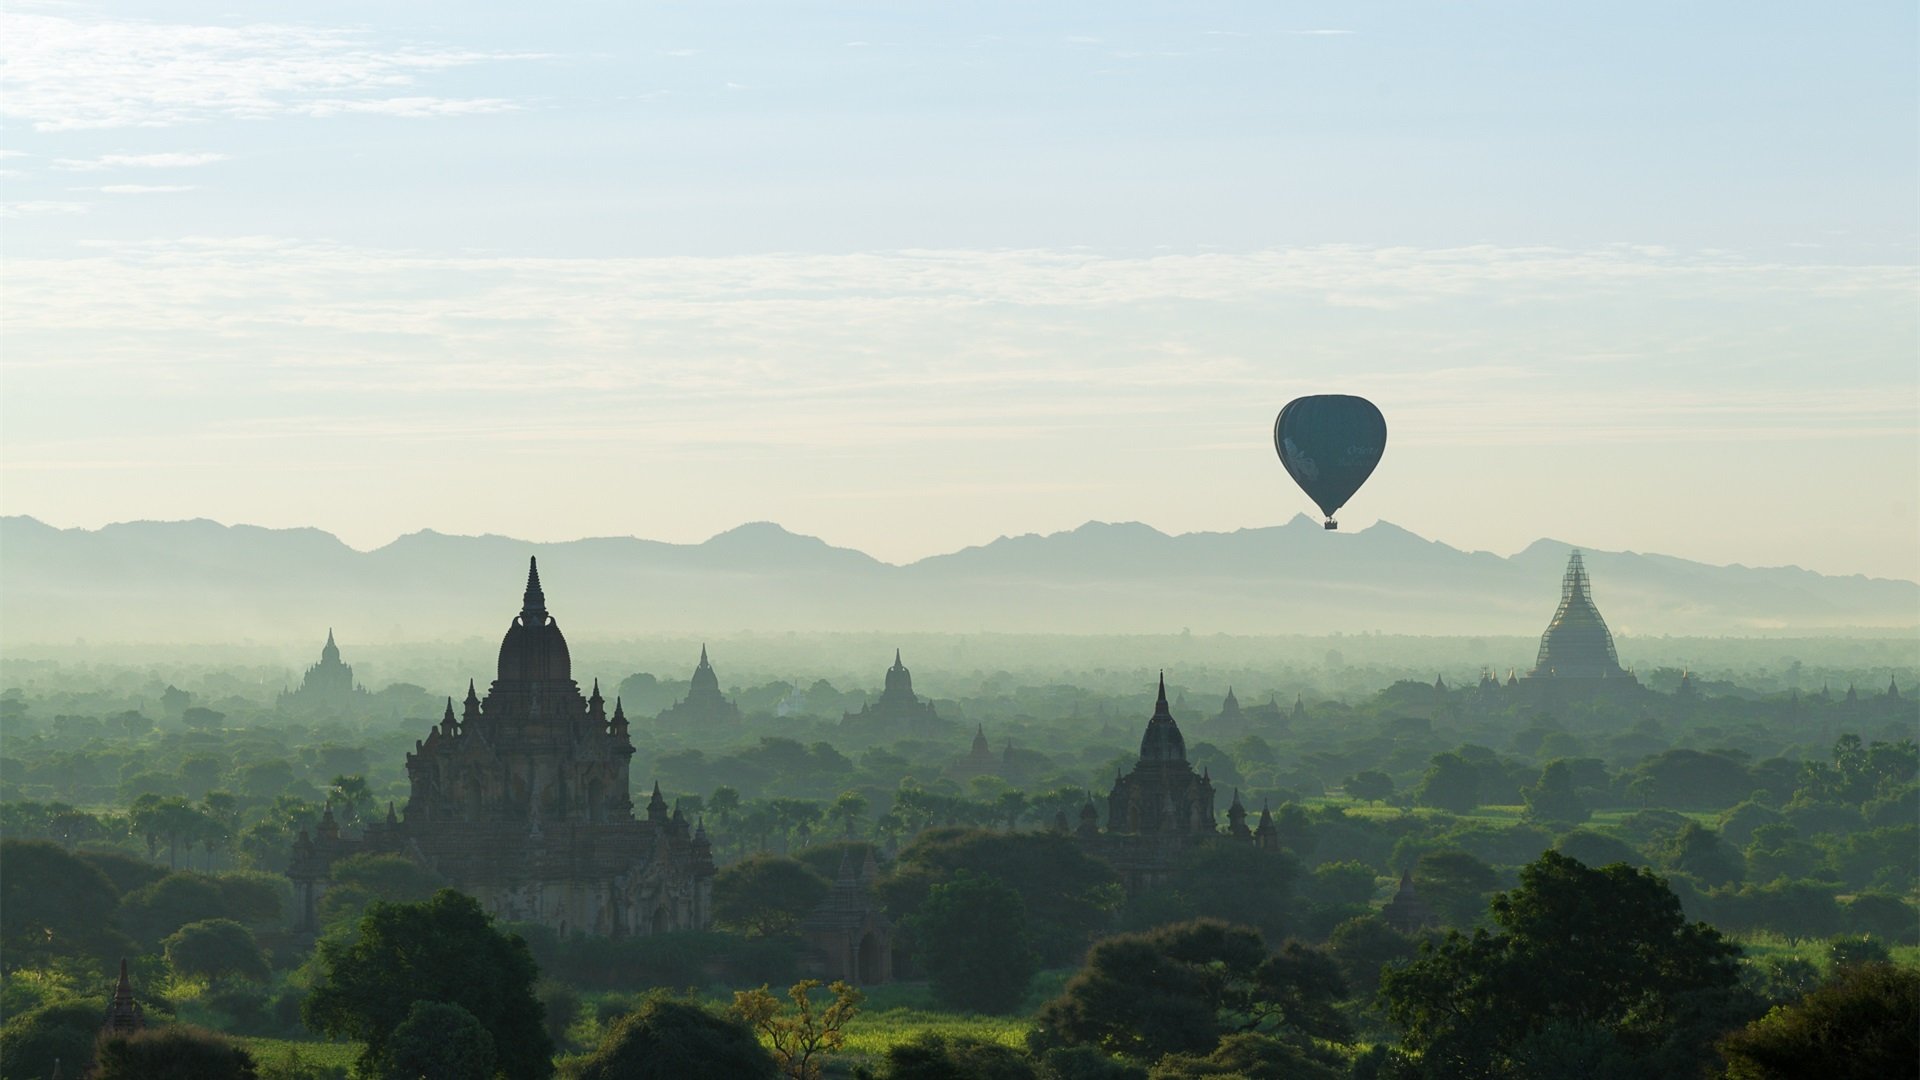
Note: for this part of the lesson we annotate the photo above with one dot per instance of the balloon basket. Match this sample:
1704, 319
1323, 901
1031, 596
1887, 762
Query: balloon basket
1331, 525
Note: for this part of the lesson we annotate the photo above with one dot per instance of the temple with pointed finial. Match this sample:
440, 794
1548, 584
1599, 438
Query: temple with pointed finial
1406, 912
327, 687
1161, 809
704, 703
521, 799
898, 708
1577, 644
979, 761
124, 1015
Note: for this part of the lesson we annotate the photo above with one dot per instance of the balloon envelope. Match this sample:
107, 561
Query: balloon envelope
1329, 444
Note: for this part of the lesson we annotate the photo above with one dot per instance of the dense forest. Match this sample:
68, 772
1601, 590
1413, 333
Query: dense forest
1745, 836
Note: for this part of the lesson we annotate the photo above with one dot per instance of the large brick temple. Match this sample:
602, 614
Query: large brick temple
522, 801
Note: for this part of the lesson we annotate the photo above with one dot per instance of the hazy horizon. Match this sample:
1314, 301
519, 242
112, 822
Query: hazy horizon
749, 524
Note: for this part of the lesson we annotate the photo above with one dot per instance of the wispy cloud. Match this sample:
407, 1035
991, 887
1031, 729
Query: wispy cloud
40, 208
1054, 337
176, 160
139, 189
64, 72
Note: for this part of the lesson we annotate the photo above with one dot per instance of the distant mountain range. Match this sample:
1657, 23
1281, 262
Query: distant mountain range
200, 581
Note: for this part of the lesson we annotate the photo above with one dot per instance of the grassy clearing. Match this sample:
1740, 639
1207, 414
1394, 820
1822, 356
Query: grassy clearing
872, 1033
1493, 815
1765, 946
269, 1052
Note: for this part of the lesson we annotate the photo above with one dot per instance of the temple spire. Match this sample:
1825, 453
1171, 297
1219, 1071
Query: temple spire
1576, 583
703, 655
124, 1015
533, 608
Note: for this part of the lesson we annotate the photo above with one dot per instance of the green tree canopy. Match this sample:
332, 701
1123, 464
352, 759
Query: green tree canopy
1863, 1025
1365, 947
1699, 853
1180, 989
1370, 784
216, 949
1068, 893
933, 1056
1607, 947
151, 912
54, 906
64, 1031
443, 949
1235, 883
1456, 884
1451, 783
174, 1052
393, 878
1250, 1056
973, 942
667, 1039
439, 1041
127, 872
766, 895
1553, 799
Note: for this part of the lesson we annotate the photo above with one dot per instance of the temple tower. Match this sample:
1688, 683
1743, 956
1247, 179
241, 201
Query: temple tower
1577, 644
704, 703
522, 800
898, 706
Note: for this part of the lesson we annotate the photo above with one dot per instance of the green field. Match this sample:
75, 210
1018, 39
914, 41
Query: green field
274, 1052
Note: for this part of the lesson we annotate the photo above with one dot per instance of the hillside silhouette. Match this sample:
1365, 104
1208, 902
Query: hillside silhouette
203, 581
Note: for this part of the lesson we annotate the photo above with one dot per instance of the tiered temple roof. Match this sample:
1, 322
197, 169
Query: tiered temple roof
522, 801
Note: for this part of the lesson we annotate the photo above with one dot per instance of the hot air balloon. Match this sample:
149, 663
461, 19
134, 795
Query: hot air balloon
1329, 444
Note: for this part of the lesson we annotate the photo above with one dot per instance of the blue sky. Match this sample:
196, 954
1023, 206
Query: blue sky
911, 276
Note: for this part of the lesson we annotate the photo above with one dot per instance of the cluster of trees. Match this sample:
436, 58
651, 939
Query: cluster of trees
162, 840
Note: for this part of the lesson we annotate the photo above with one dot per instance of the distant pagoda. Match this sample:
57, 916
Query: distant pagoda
124, 1015
898, 708
704, 703
328, 686
1577, 644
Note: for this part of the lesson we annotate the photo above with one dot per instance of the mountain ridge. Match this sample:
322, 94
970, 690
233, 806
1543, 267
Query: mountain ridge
209, 581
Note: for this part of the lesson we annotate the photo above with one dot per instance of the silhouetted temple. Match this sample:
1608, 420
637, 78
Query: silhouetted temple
522, 801
124, 1015
704, 703
1577, 644
1162, 808
327, 686
1406, 912
897, 707
980, 759
1230, 713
